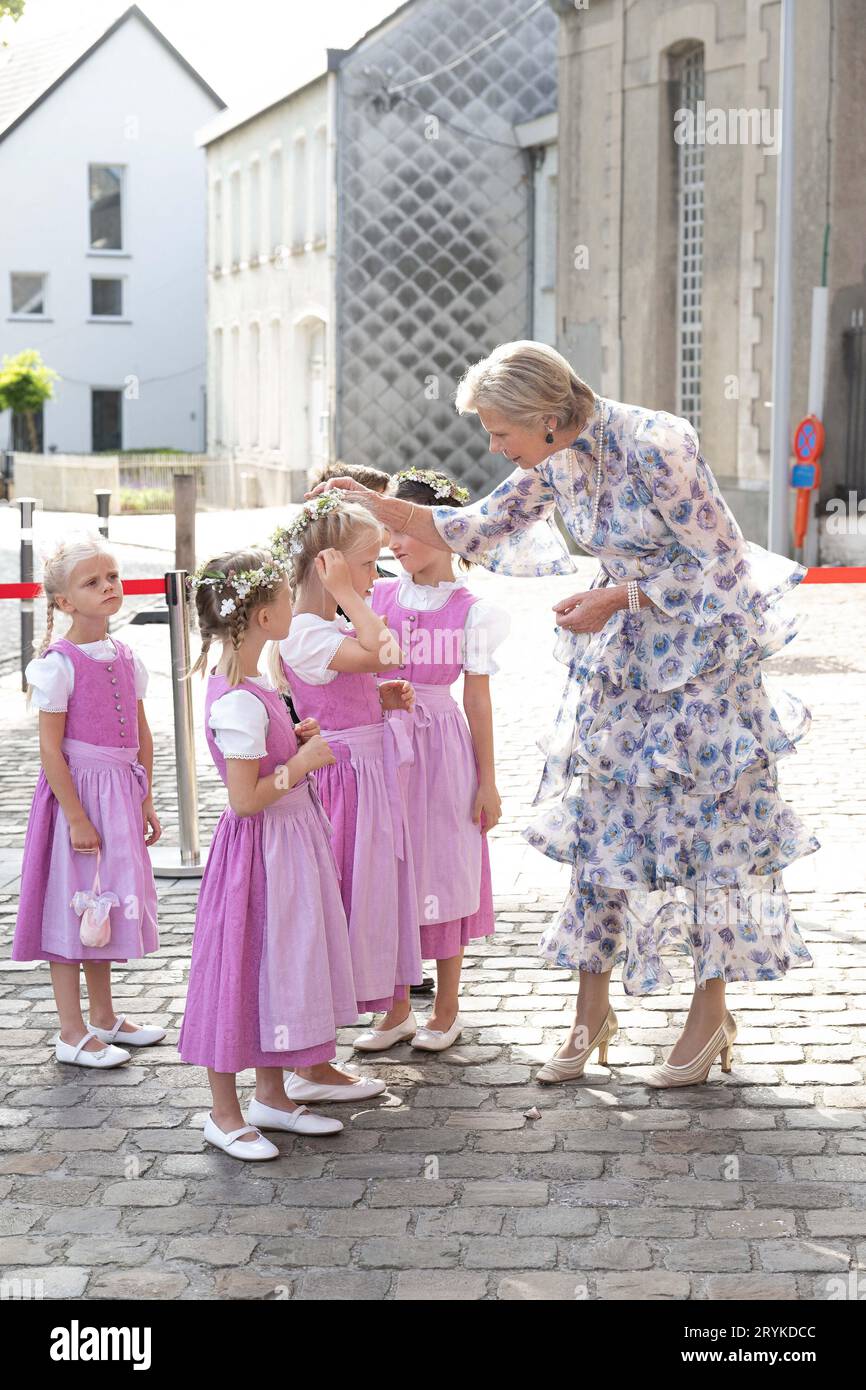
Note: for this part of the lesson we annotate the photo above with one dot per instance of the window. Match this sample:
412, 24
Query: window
254, 385
235, 387
106, 222
235, 213
106, 297
28, 294
28, 432
105, 410
255, 210
690, 258
299, 192
216, 250
320, 184
275, 386
276, 199
218, 384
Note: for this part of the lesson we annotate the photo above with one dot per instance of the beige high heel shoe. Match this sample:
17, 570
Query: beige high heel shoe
570, 1068
692, 1073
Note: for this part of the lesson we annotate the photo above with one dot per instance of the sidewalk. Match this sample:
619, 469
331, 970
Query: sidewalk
468, 1180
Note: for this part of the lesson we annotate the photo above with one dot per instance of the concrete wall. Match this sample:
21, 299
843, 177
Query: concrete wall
618, 159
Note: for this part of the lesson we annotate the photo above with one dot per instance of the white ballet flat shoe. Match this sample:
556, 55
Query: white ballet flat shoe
300, 1121
141, 1037
432, 1040
74, 1053
252, 1151
298, 1088
378, 1039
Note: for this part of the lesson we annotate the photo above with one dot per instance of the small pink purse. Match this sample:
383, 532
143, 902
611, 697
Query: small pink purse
94, 908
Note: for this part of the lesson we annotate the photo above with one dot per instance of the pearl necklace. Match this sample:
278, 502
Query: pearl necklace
601, 442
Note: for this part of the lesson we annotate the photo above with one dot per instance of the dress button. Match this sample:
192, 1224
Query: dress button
122, 720
109, 668
114, 680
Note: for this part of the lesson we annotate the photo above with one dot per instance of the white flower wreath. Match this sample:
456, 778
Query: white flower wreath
442, 487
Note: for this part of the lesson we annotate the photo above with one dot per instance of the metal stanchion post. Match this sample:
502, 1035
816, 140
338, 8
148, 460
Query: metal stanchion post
185, 862
27, 505
103, 501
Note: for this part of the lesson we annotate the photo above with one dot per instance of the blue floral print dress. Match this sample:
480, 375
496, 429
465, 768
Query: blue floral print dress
660, 783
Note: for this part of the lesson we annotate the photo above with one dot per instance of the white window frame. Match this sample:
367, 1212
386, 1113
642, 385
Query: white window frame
109, 251
16, 315
690, 245
123, 316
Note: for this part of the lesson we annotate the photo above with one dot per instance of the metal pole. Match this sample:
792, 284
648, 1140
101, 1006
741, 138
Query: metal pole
27, 505
815, 404
184, 521
167, 863
103, 501
779, 530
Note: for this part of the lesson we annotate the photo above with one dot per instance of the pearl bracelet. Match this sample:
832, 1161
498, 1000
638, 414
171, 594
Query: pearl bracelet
633, 596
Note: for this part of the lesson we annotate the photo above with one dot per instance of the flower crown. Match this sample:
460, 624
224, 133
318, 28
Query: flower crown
241, 582
286, 540
442, 486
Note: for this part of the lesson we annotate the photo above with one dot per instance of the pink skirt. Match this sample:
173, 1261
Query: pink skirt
364, 796
452, 860
111, 785
270, 978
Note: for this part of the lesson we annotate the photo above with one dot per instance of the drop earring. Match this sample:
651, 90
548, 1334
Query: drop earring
548, 438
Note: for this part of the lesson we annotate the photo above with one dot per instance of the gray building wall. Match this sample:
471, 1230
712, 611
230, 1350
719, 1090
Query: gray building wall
433, 224
618, 198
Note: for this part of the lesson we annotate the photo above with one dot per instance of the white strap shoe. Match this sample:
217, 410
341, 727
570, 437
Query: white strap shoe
298, 1088
378, 1039
75, 1052
300, 1121
432, 1040
253, 1150
140, 1037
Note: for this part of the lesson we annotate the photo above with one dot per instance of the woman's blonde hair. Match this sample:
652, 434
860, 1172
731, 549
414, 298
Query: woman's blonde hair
526, 382
230, 629
344, 527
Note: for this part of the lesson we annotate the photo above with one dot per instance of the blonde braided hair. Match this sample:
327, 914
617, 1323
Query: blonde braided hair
231, 627
57, 567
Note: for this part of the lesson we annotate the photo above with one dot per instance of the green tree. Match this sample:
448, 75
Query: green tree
25, 382
10, 9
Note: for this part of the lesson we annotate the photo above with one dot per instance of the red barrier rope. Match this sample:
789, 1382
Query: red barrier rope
130, 586
831, 574
836, 574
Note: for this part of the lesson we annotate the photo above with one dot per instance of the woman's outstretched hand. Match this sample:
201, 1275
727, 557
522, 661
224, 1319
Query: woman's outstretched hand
344, 484
587, 612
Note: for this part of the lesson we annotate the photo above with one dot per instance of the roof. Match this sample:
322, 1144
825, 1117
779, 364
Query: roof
229, 121
31, 71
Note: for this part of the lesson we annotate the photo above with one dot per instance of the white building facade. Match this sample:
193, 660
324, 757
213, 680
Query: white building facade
271, 291
103, 236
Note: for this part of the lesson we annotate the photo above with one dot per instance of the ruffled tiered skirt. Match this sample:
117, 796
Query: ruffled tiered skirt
660, 789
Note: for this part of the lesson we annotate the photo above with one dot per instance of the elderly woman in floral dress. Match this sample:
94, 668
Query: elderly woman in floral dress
660, 784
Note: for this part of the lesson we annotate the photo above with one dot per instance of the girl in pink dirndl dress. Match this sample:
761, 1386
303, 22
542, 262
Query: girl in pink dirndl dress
87, 891
331, 670
270, 977
446, 631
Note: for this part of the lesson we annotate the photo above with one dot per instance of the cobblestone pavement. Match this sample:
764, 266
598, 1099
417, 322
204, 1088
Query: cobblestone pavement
753, 1186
